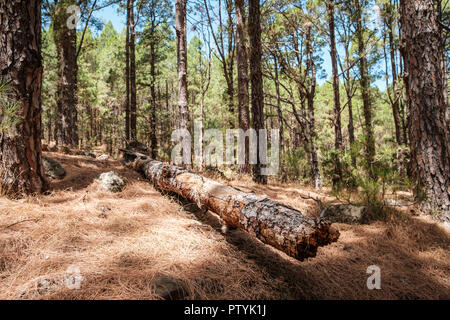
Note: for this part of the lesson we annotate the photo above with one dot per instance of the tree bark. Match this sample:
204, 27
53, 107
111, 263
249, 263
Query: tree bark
66, 44
273, 223
133, 107
180, 20
280, 121
365, 92
395, 97
21, 170
315, 172
127, 74
337, 99
153, 137
243, 80
254, 30
428, 127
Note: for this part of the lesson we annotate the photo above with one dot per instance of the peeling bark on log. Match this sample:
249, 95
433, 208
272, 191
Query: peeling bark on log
271, 222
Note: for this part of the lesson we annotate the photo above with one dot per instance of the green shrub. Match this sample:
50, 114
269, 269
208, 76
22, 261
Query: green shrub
8, 108
297, 167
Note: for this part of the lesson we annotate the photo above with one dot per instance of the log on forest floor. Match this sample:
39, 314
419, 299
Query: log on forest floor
276, 224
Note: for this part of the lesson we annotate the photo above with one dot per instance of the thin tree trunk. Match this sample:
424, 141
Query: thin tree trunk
127, 74
350, 126
254, 30
153, 138
243, 80
337, 99
21, 169
230, 65
395, 98
365, 92
315, 172
428, 127
49, 116
133, 108
280, 121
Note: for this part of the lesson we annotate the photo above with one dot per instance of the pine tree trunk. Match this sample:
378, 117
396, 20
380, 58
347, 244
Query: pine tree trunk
66, 44
243, 80
127, 74
350, 127
254, 30
315, 171
229, 66
21, 170
133, 108
349, 94
280, 121
428, 127
395, 102
337, 102
180, 19
365, 92
153, 138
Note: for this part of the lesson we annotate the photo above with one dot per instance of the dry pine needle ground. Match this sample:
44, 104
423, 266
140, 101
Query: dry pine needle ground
121, 242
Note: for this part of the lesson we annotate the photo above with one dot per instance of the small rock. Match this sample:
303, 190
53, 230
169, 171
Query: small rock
45, 285
346, 248
224, 229
104, 208
169, 288
111, 181
395, 203
53, 169
344, 213
103, 157
52, 147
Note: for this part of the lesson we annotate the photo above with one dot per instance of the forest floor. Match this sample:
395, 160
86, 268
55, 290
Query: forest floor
121, 242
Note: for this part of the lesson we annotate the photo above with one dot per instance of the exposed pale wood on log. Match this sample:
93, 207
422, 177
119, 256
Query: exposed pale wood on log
273, 223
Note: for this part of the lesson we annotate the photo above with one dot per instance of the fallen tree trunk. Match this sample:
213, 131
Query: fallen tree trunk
273, 223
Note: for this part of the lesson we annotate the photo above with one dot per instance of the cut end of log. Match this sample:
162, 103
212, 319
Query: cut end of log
322, 236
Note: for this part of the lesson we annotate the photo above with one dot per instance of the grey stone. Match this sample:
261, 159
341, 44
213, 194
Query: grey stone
103, 157
395, 203
53, 169
111, 181
53, 147
345, 213
46, 285
169, 288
